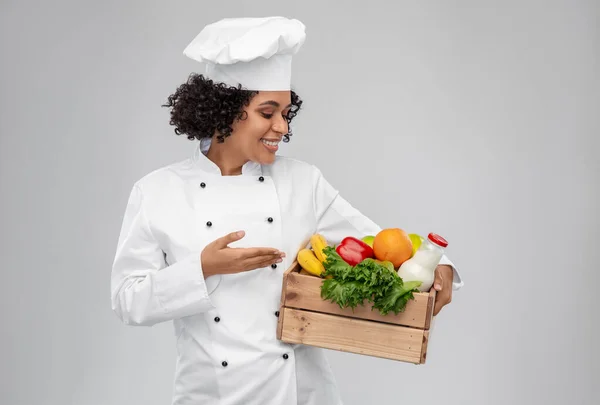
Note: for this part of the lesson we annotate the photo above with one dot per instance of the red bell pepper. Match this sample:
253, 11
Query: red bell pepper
354, 250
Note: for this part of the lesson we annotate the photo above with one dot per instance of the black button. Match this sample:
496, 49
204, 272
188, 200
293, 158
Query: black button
270, 219
274, 265
261, 178
209, 223
217, 319
202, 184
224, 364
277, 314
285, 356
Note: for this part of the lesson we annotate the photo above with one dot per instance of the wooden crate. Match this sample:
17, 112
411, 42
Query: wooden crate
305, 318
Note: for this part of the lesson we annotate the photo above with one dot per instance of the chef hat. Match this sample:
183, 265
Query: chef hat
254, 52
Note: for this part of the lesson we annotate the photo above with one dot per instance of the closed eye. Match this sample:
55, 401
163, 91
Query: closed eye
269, 116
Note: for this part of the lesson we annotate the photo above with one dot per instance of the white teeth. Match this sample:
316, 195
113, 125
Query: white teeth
270, 143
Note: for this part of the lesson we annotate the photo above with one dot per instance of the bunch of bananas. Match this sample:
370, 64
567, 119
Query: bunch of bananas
312, 260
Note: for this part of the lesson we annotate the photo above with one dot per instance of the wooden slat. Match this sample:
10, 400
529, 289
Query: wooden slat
304, 292
430, 308
280, 322
353, 335
424, 347
294, 267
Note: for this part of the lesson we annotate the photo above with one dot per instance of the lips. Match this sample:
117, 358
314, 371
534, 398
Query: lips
271, 145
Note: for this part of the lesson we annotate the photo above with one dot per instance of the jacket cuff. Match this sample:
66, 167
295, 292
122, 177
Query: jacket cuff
181, 288
457, 282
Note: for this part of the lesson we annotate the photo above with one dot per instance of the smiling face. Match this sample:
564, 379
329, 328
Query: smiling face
257, 136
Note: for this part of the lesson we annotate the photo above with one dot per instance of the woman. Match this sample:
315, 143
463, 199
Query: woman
180, 257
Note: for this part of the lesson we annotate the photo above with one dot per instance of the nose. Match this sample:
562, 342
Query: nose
281, 126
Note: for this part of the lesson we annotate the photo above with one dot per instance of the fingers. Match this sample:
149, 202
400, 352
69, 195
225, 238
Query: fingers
222, 242
443, 277
442, 299
261, 261
244, 253
439, 281
438, 306
250, 253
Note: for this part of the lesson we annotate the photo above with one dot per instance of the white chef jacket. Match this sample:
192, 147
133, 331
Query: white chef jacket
225, 325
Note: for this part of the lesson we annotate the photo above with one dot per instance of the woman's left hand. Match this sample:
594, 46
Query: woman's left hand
444, 276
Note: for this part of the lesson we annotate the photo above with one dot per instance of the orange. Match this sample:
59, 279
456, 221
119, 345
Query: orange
393, 244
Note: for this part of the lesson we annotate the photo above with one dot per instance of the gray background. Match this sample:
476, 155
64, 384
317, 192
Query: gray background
477, 120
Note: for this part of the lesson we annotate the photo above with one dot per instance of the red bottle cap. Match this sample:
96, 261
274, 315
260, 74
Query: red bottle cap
437, 239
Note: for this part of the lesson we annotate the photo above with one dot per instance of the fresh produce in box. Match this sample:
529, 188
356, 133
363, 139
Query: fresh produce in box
416, 241
393, 244
318, 243
369, 240
370, 280
422, 265
309, 262
385, 269
353, 250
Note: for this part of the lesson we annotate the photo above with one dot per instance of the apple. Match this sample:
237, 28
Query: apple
369, 240
416, 241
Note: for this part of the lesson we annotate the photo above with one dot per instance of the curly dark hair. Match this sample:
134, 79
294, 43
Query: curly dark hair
199, 107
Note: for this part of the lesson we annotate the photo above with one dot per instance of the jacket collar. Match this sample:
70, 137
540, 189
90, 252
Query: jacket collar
205, 164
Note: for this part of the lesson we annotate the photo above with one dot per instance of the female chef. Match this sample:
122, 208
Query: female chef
205, 241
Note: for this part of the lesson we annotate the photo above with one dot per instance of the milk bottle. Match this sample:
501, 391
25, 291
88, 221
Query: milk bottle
421, 267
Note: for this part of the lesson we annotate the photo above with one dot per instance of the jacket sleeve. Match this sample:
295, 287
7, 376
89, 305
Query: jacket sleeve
336, 218
144, 289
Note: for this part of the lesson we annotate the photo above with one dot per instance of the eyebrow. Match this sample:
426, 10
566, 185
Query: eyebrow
273, 103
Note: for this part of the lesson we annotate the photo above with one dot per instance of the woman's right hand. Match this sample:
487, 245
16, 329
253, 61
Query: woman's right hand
218, 258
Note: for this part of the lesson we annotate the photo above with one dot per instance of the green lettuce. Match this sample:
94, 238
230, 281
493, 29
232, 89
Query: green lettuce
370, 281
